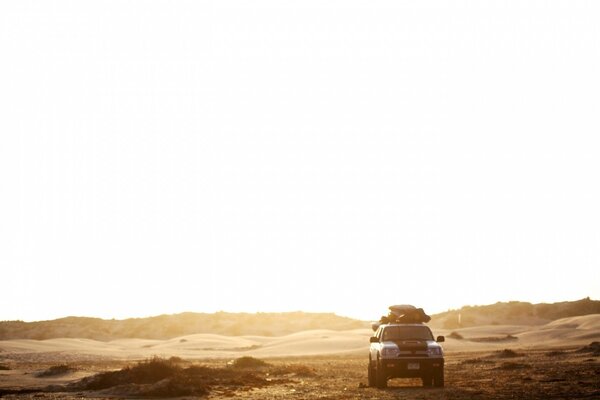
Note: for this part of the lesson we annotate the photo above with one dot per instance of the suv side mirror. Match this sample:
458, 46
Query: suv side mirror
440, 339
374, 339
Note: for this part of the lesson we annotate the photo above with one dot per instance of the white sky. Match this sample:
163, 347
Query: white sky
161, 156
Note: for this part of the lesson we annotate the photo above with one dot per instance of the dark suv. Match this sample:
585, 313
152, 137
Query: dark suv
405, 351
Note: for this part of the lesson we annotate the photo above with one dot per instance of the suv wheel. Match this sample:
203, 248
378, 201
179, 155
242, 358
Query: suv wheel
427, 380
371, 375
438, 378
380, 376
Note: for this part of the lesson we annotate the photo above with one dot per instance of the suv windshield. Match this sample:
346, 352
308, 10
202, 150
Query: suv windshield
407, 333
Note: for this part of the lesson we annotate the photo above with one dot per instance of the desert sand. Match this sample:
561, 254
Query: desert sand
576, 331
543, 362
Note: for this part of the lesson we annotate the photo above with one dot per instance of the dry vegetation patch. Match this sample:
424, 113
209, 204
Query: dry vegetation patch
248, 362
160, 377
593, 348
494, 339
476, 361
456, 335
505, 375
556, 353
507, 353
55, 370
509, 365
294, 369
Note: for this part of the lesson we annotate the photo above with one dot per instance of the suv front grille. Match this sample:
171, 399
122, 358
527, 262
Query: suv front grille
413, 354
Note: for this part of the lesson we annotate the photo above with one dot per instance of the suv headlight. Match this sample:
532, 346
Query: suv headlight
434, 351
387, 352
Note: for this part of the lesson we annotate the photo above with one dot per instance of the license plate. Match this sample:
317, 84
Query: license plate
413, 366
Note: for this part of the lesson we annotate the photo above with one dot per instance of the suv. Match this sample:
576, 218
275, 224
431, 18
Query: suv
405, 351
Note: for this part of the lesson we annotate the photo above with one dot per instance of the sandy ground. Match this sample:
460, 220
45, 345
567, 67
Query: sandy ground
547, 363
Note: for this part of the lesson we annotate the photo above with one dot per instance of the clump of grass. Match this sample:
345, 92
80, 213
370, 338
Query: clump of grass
455, 335
593, 348
507, 353
55, 370
175, 386
294, 369
248, 362
148, 371
476, 361
158, 377
512, 366
492, 339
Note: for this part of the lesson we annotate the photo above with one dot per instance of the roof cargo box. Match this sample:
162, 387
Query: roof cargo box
403, 314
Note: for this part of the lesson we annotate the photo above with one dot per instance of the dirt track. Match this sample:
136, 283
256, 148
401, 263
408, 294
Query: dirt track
540, 374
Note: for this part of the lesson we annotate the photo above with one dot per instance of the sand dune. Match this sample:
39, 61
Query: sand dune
578, 330
583, 322
314, 342
567, 332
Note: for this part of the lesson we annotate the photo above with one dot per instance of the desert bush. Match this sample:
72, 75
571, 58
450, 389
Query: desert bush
248, 362
176, 386
293, 369
593, 348
55, 370
476, 361
4, 367
507, 353
492, 339
160, 377
512, 366
455, 335
153, 370
148, 371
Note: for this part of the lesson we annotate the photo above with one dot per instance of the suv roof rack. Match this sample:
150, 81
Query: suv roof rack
402, 314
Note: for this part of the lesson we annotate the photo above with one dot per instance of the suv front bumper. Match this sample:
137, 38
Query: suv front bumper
411, 367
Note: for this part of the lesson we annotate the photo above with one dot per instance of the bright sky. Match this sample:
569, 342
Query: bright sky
338, 156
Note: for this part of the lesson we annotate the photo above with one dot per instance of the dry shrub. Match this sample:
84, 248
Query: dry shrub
593, 348
476, 361
55, 370
149, 371
507, 353
512, 366
492, 339
176, 386
455, 335
4, 367
293, 369
248, 362
159, 377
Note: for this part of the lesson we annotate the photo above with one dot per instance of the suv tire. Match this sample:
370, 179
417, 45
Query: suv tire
380, 376
438, 378
427, 380
371, 375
